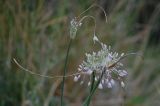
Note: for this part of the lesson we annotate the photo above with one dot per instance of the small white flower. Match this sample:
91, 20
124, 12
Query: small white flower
80, 24
109, 85
112, 82
122, 73
89, 83
95, 78
122, 84
122, 54
75, 78
79, 69
81, 82
102, 81
109, 57
100, 86
95, 39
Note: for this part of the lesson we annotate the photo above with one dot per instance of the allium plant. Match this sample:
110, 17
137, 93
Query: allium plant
100, 69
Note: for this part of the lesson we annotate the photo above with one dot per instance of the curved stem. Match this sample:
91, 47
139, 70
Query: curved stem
94, 5
89, 16
87, 101
41, 75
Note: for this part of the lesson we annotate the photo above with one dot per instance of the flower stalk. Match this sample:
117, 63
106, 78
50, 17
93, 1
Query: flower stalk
65, 71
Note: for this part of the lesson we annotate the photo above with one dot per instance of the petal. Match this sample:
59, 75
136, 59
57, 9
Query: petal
122, 73
89, 72
100, 86
81, 82
112, 82
122, 54
122, 84
95, 78
76, 78
95, 39
89, 83
109, 85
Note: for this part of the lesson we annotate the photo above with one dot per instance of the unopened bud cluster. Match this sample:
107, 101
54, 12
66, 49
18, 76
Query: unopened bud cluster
75, 24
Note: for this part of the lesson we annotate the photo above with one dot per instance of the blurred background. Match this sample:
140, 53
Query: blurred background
36, 34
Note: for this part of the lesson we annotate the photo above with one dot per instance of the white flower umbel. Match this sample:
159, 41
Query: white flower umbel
103, 60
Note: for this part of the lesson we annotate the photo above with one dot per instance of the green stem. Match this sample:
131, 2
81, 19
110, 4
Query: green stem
64, 72
92, 86
93, 81
87, 101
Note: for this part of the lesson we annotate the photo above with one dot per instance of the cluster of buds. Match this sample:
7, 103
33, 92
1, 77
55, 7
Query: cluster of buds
97, 62
75, 24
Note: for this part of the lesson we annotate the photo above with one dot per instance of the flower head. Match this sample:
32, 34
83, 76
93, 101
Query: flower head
103, 60
75, 24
